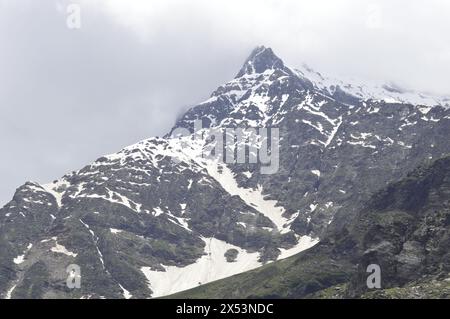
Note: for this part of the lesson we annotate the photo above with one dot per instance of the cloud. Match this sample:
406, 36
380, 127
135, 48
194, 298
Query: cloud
401, 41
70, 96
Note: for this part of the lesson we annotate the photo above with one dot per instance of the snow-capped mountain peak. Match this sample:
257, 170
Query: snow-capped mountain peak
158, 217
364, 90
263, 60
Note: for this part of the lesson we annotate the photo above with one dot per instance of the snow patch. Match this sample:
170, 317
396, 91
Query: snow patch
60, 249
210, 267
316, 172
304, 242
21, 258
157, 211
247, 174
53, 189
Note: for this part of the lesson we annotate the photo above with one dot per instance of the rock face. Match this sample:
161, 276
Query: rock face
161, 212
404, 229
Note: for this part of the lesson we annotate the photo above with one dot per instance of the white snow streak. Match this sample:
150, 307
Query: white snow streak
126, 293
304, 243
252, 197
10, 291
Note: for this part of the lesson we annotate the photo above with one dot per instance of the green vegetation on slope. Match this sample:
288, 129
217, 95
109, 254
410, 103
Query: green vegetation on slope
404, 228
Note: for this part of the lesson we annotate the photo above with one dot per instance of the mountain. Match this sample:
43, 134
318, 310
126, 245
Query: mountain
160, 217
403, 228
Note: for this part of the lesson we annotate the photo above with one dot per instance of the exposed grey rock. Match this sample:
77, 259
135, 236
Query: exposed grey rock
153, 203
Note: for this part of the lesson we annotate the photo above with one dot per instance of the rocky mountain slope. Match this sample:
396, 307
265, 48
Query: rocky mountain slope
404, 228
159, 217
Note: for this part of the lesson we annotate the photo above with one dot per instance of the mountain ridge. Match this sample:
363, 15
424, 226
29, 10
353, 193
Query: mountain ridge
140, 217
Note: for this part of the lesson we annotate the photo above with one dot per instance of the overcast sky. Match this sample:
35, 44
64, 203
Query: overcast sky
68, 96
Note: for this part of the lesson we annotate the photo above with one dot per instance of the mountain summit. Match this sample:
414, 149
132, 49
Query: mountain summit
260, 60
